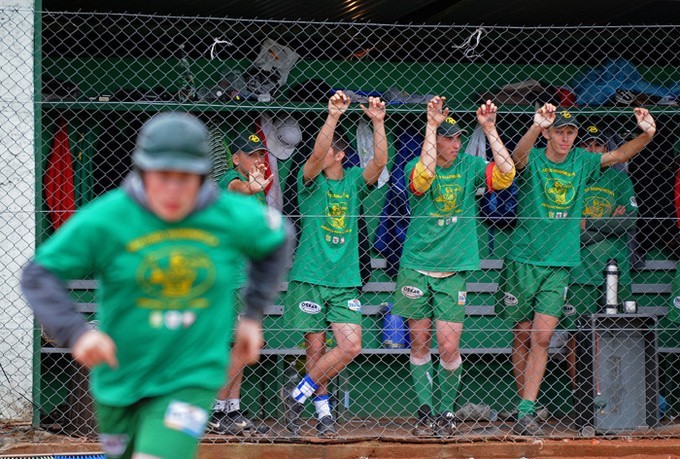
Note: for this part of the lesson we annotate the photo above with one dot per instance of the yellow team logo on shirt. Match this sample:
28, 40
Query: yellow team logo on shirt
559, 192
336, 215
446, 198
597, 208
175, 276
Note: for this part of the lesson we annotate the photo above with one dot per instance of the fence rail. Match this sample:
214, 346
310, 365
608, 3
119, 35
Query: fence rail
99, 76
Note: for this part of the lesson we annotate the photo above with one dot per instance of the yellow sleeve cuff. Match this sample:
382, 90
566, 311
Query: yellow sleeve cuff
500, 180
421, 179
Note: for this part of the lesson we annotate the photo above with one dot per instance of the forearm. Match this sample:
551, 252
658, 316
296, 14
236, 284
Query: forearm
264, 277
521, 153
379, 144
501, 155
323, 142
428, 155
626, 151
52, 306
324, 139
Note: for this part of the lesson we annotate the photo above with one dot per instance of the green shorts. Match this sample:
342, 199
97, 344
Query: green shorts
418, 296
167, 426
581, 299
310, 308
525, 289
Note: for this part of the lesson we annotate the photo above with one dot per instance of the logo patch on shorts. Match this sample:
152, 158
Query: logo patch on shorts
114, 444
186, 418
462, 298
354, 305
676, 302
411, 292
310, 307
510, 300
569, 309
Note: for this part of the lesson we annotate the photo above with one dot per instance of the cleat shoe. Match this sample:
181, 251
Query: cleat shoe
425, 424
529, 425
221, 423
325, 428
444, 425
541, 412
239, 419
292, 411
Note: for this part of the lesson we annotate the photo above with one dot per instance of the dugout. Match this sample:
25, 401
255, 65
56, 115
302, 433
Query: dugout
121, 70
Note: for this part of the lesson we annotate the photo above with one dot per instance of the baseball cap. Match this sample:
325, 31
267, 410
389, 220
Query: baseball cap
248, 143
173, 141
592, 132
565, 118
450, 127
284, 138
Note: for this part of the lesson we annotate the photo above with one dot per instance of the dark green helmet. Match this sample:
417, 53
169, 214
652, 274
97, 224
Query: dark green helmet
173, 141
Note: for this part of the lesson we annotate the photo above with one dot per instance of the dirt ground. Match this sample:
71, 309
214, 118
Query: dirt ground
22, 439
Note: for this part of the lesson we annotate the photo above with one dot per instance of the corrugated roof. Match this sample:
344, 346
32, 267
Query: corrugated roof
502, 12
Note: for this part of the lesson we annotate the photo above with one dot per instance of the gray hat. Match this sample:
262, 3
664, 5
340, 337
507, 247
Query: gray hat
284, 137
450, 127
173, 141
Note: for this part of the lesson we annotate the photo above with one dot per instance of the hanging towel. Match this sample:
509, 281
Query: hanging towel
58, 179
273, 191
365, 149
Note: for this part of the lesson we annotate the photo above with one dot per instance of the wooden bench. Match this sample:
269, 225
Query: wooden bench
388, 288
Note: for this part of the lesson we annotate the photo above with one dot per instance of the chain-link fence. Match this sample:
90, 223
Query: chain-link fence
99, 77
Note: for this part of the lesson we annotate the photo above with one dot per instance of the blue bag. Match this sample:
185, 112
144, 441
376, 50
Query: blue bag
395, 333
499, 208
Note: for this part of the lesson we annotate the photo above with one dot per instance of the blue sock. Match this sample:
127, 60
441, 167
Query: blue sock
304, 389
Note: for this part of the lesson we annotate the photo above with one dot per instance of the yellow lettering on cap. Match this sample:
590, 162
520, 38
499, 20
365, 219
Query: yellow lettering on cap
450, 120
565, 114
254, 138
593, 129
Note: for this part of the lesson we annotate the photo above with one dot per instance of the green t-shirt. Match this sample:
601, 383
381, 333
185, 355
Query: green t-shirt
328, 249
233, 174
613, 189
165, 290
550, 206
223, 183
442, 231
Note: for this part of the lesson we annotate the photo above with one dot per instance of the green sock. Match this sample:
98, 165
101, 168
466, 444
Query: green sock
525, 407
421, 375
449, 382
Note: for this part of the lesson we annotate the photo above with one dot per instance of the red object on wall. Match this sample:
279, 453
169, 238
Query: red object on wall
267, 169
566, 97
58, 179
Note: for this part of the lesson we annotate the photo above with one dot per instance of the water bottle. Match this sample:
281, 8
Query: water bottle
611, 287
